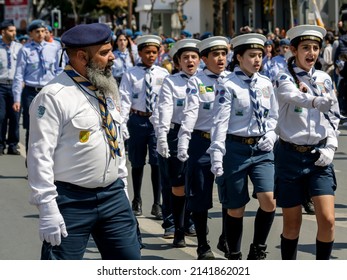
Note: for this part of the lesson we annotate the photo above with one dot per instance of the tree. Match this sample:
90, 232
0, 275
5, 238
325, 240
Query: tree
218, 17
180, 4
77, 7
113, 7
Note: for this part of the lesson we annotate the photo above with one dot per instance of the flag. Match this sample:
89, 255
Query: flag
317, 15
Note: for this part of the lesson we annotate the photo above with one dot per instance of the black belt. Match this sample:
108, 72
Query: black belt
6, 82
175, 126
140, 113
202, 134
78, 188
303, 148
37, 89
244, 140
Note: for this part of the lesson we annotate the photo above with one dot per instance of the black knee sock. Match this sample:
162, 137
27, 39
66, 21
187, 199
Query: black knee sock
289, 248
155, 184
224, 214
200, 221
262, 225
136, 175
323, 250
178, 210
233, 231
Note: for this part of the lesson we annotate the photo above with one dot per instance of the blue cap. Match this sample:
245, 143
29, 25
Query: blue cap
128, 32
35, 24
186, 33
168, 41
84, 35
23, 37
6, 23
49, 28
206, 35
268, 43
137, 34
284, 42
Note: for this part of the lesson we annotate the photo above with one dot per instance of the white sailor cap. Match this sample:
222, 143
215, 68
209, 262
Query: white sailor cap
187, 45
148, 40
248, 41
306, 32
212, 43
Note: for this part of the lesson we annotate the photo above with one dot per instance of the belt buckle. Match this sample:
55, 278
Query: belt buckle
205, 135
302, 149
172, 125
249, 141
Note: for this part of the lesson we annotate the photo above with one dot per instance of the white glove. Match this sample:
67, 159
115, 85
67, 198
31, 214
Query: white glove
323, 104
217, 168
163, 148
266, 144
182, 154
51, 223
326, 155
125, 132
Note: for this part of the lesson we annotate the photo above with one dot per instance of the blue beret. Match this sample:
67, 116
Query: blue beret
284, 42
268, 43
49, 28
205, 35
137, 34
84, 35
128, 32
186, 33
169, 41
6, 23
35, 24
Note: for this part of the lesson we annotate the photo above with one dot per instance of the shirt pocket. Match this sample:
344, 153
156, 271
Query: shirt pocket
85, 127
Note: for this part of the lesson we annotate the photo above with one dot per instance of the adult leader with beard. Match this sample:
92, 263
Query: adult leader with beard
76, 158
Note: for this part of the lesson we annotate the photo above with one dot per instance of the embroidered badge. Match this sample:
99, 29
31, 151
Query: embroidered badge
187, 90
209, 88
265, 92
159, 81
202, 89
135, 95
41, 111
180, 102
84, 136
110, 103
193, 91
206, 106
221, 100
222, 92
283, 77
297, 109
239, 112
328, 85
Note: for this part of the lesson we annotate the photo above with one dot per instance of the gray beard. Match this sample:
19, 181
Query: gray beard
103, 80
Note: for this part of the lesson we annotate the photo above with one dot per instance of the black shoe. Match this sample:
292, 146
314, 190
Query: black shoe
179, 241
137, 208
309, 208
205, 253
223, 246
13, 151
234, 256
257, 252
156, 211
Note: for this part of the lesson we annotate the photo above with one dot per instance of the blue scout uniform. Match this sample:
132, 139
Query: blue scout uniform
307, 129
194, 140
35, 68
139, 91
8, 60
71, 163
246, 114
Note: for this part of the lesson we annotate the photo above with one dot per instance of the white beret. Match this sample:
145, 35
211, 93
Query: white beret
187, 43
213, 43
148, 40
254, 40
173, 50
306, 32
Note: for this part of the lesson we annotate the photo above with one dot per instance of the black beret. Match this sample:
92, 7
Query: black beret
84, 35
35, 24
6, 23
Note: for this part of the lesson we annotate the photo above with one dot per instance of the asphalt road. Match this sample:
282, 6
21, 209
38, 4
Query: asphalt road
19, 220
